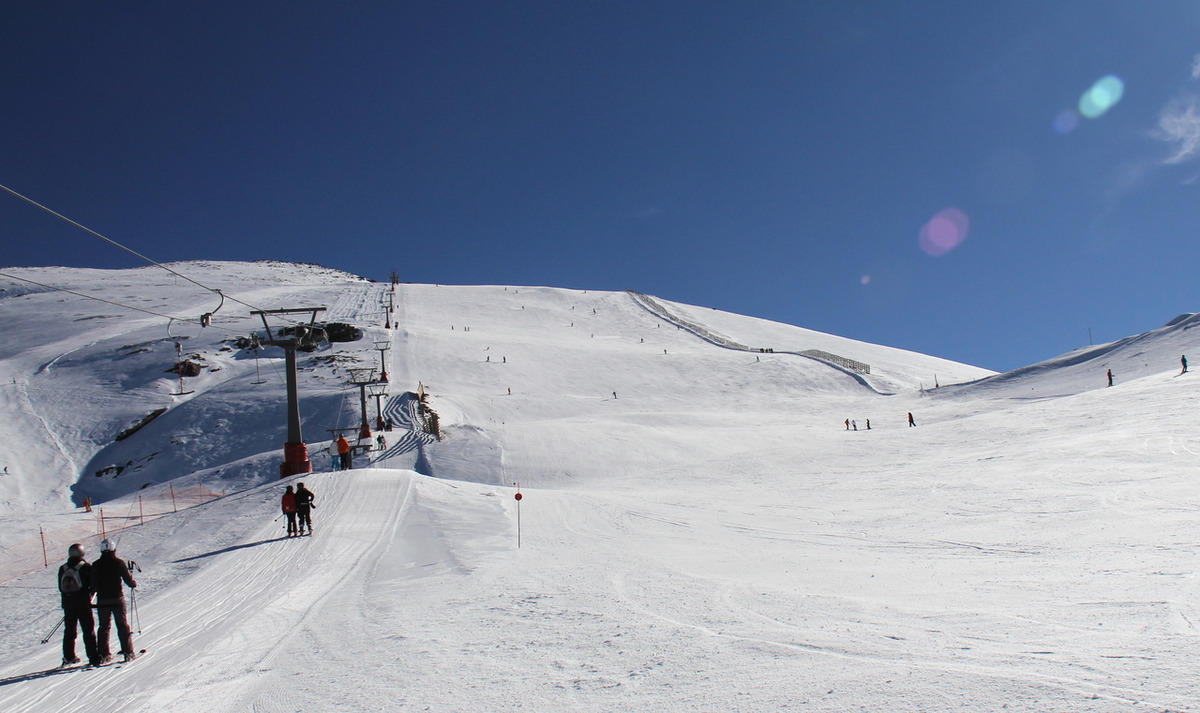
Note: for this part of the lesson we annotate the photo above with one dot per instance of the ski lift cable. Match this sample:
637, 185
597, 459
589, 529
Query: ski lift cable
109, 302
129, 250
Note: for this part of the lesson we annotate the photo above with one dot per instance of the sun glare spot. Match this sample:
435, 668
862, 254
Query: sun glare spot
944, 232
1103, 96
1066, 121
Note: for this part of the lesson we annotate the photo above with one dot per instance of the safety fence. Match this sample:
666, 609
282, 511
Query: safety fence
50, 547
856, 366
659, 309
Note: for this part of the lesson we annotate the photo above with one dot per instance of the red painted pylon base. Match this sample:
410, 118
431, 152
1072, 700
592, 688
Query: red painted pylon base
295, 460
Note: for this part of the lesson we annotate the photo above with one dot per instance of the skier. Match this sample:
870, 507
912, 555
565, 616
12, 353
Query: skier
343, 449
75, 586
288, 504
108, 573
847, 424
381, 442
335, 461
1183, 361
304, 507
854, 425
911, 422
1110, 377
868, 424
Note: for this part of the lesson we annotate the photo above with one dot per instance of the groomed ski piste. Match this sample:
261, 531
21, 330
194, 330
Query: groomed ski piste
698, 529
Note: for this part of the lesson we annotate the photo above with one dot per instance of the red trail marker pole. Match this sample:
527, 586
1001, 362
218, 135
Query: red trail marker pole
518, 497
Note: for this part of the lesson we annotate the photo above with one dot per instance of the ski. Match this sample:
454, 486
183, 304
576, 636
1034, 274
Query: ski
118, 663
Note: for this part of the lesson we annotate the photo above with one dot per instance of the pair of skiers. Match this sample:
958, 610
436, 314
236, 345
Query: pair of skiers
77, 582
297, 505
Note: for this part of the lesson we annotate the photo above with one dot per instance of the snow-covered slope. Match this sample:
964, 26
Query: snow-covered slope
699, 530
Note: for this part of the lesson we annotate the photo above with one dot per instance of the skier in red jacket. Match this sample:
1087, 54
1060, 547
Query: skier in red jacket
288, 504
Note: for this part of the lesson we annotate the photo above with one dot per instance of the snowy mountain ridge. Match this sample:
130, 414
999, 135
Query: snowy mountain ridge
701, 529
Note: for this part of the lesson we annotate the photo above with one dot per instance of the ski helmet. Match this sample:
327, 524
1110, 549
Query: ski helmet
108, 546
75, 550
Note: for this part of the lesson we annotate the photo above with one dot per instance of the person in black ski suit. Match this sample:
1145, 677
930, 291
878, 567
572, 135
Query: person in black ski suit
108, 576
304, 506
75, 586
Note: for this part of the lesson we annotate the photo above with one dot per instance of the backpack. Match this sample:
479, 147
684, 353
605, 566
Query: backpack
289, 502
71, 582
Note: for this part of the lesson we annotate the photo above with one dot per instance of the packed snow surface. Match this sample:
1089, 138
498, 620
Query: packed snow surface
699, 529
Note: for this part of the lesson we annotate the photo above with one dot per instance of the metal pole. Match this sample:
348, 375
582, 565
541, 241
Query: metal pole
60, 623
173, 508
365, 429
44, 555
293, 394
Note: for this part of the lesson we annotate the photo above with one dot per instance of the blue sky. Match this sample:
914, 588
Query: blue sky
776, 159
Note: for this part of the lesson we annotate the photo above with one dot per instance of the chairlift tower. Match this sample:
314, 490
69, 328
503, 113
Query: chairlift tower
363, 377
295, 453
378, 390
382, 347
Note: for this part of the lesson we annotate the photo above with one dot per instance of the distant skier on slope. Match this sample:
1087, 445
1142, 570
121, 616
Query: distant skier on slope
288, 504
304, 507
911, 422
75, 586
108, 574
1183, 362
1110, 377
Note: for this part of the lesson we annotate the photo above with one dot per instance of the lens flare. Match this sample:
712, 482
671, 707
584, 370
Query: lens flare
1103, 95
1066, 121
944, 232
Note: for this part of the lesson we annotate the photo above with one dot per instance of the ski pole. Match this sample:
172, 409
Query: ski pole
137, 619
60, 623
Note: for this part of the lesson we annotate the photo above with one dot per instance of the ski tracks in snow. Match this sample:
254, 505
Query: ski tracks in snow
223, 630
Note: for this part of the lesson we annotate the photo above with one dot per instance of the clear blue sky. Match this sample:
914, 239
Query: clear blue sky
777, 159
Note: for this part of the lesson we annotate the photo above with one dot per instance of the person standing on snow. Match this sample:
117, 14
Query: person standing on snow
304, 507
1183, 361
108, 575
911, 422
75, 586
288, 504
335, 461
343, 447
1110, 377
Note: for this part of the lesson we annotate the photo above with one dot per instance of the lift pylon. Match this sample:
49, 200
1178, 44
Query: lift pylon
295, 452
